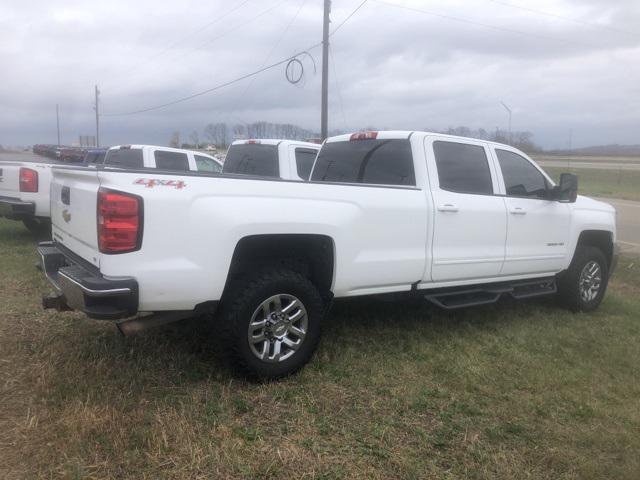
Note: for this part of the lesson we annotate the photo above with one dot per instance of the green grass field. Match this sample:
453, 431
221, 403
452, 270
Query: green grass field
613, 183
396, 390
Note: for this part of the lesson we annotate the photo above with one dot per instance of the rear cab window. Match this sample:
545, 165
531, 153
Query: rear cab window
173, 161
252, 159
462, 167
367, 161
124, 158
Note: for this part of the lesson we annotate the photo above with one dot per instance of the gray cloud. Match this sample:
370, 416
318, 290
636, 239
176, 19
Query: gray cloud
396, 67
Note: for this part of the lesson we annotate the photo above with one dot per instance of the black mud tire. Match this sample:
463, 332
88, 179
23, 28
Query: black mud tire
241, 300
569, 281
39, 227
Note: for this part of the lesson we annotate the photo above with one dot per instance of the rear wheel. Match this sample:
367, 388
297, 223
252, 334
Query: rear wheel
270, 322
40, 227
582, 287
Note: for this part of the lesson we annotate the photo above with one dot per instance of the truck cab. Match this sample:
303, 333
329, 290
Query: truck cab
286, 159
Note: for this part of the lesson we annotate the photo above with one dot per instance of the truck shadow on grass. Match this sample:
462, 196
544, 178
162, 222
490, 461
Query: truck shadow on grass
186, 354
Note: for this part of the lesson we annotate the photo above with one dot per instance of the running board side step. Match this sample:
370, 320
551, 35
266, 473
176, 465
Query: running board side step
452, 298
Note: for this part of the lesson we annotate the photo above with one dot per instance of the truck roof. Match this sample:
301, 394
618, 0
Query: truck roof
159, 147
275, 141
401, 135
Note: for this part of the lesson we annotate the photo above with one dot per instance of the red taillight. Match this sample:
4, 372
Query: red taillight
28, 180
364, 136
119, 222
253, 142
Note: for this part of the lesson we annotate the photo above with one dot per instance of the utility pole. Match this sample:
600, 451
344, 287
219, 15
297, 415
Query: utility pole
58, 122
570, 148
324, 114
97, 118
509, 111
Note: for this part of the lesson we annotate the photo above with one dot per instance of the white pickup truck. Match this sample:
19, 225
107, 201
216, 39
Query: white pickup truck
25, 180
24, 190
287, 159
457, 221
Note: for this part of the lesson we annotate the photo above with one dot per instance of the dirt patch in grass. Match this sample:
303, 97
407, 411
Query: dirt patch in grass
396, 390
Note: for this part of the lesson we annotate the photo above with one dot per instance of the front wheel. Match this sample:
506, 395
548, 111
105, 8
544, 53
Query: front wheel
582, 287
270, 322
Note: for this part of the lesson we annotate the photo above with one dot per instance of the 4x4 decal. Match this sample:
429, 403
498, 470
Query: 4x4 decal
153, 182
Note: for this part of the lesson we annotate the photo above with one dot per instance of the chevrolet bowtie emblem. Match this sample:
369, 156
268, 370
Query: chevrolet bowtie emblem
66, 216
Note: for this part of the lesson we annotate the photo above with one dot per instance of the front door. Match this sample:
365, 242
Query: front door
537, 228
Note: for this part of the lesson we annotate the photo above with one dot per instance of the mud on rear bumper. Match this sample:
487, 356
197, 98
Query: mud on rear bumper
79, 286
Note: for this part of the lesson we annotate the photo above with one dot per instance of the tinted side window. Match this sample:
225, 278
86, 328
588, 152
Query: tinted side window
462, 168
124, 158
252, 159
205, 164
304, 161
94, 158
380, 162
171, 161
521, 179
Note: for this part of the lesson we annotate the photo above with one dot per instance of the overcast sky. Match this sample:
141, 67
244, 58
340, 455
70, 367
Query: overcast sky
570, 66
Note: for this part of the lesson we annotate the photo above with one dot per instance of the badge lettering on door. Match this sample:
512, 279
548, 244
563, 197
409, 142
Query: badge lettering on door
154, 182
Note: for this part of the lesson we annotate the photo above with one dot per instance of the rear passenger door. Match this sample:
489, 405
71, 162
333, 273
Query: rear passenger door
470, 225
537, 228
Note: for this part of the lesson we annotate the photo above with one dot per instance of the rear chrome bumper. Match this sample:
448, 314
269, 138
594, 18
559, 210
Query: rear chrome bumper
16, 208
79, 286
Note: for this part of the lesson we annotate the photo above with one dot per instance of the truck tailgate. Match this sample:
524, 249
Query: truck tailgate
10, 179
74, 197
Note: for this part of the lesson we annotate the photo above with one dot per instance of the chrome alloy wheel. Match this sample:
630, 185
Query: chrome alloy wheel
590, 281
277, 328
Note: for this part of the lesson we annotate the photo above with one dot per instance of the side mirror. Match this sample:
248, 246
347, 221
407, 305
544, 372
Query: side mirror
567, 190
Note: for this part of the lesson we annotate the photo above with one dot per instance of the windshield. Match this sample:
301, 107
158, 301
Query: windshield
252, 159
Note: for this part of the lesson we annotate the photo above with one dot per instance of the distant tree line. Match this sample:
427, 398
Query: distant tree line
222, 134
520, 140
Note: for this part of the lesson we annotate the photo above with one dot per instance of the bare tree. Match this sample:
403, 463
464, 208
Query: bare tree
195, 139
175, 140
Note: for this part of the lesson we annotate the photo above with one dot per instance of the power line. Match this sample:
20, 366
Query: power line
217, 87
227, 32
238, 79
335, 76
286, 29
218, 19
481, 24
561, 17
266, 59
194, 32
348, 17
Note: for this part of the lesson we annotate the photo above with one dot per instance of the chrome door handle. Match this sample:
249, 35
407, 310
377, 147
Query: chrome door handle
448, 207
518, 211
